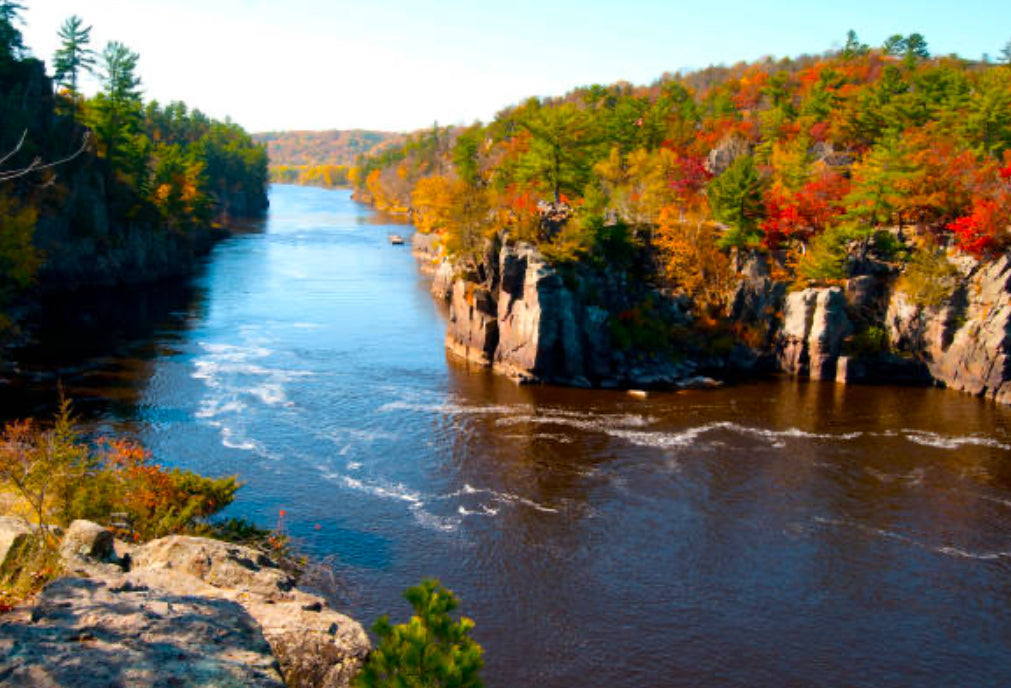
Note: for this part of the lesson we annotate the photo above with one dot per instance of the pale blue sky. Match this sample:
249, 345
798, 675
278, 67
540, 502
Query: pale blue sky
402, 64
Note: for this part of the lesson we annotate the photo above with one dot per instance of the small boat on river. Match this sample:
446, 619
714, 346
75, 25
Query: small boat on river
396, 239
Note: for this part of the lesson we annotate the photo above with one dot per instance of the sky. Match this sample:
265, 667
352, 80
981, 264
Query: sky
400, 65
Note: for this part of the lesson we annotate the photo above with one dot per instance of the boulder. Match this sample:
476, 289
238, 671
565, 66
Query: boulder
316, 646
87, 539
13, 531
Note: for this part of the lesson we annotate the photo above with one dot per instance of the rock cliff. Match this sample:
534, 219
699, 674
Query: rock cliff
179, 611
536, 322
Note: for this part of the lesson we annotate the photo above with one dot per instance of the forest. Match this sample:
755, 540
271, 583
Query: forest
886, 152
320, 158
94, 169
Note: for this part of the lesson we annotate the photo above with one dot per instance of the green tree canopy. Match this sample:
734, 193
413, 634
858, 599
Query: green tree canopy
73, 55
736, 200
558, 150
117, 111
432, 650
11, 46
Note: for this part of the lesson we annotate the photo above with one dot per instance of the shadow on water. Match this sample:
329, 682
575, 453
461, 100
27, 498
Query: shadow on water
100, 344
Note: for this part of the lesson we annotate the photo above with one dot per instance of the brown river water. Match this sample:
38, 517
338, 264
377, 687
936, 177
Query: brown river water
775, 533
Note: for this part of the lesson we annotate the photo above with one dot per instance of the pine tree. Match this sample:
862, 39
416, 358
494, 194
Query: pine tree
117, 108
74, 55
11, 46
430, 651
558, 149
736, 200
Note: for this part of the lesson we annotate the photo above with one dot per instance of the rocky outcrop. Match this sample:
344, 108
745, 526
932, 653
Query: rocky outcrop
966, 341
84, 632
526, 319
177, 611
815, 326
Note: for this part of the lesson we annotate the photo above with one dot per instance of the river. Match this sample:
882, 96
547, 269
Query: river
769, 534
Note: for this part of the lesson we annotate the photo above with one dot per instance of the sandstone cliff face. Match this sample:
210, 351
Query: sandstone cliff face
179, 611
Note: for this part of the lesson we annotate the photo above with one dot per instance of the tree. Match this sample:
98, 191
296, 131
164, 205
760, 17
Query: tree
558, 148
19, 259
853, 47
736, 200
916, 46
11, 46
74, 55
432, 650
1005, 53
894, 45
117, 108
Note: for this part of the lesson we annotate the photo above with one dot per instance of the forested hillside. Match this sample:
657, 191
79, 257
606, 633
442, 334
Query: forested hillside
320, 158
888, 148
107, 189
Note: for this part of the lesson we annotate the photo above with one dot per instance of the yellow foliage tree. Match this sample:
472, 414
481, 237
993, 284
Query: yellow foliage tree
432, 201
692, 259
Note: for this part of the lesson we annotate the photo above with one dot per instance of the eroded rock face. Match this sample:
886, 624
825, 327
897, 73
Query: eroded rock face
228, 610
966, 341
473, 328
815, 326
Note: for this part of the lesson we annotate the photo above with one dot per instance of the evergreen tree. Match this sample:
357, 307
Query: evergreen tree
117, 110
853, 47
894, 45
558, 150
430, 651
11, 46
736, 200
74, 55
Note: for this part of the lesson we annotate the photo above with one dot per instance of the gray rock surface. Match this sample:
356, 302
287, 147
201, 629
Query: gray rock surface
12, 531
95, 633
227, 610
965, 342
815, 326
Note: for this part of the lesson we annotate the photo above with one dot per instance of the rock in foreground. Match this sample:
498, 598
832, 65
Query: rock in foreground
188, 612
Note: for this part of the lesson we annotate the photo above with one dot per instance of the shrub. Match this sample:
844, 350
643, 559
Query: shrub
432, 650
929, 278
870, 342
58, 477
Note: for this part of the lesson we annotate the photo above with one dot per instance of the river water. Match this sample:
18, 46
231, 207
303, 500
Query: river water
770, 534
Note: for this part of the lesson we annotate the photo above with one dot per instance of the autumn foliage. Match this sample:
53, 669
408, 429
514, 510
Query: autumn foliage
810, 157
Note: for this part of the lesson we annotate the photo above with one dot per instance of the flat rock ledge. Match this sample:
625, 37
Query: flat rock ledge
175, 612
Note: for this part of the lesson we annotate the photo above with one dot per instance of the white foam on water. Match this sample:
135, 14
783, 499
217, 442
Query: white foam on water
445, 408
946, 550
501, 497
562, 439
933, 439
212, 408
445, 524
396, 492
354, 465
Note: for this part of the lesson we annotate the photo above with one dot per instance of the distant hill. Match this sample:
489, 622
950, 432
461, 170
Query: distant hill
335, 147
